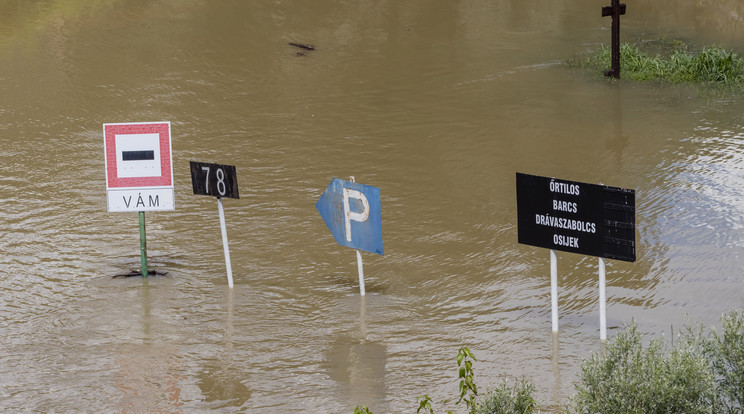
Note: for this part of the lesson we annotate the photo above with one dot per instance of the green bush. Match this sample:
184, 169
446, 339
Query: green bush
725, 353
505, 400
629, 378
515, 400
699, 374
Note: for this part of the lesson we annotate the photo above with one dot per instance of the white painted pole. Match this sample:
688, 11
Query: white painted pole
554, 288
229, 330
360, 265
223, 227
363, 317
602, 302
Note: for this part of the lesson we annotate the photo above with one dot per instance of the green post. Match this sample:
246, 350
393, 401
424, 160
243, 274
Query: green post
143, 243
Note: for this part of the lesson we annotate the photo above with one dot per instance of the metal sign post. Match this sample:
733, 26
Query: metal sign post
616, 9
143, 244
225, 246
602, 302
554, 289
139, 174
360, 270
219, 181
360, 265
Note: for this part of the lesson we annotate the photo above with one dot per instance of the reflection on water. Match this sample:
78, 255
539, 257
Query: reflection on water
148, 378
554, 358
359, 369
438, 104
221, 380
357, 364
222, 386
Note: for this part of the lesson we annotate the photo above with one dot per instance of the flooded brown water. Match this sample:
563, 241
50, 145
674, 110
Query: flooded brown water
437, 103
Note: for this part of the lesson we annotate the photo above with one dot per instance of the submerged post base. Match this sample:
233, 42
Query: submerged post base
138, 273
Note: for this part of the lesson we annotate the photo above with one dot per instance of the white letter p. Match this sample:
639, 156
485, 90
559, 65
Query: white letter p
351, 215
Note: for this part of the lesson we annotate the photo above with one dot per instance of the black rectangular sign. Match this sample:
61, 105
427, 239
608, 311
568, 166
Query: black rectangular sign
137, 155
589, 219
214, 179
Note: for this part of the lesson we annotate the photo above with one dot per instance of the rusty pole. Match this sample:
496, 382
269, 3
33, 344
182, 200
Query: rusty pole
616, 9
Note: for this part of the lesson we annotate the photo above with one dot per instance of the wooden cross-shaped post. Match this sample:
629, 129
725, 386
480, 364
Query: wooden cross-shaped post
615, 10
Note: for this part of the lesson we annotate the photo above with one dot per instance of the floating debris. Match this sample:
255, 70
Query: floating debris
302, 46
306, 48
138, 273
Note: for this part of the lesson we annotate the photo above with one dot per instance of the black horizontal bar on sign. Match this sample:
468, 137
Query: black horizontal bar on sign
137, 155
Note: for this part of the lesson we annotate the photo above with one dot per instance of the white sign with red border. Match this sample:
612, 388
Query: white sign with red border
139, 173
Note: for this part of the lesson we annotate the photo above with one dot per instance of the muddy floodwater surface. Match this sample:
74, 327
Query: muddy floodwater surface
436, 103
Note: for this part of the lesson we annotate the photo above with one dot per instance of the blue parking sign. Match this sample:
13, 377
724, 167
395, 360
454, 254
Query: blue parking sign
352, 213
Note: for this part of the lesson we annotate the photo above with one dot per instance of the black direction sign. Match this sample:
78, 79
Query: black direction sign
589, 219
214, 179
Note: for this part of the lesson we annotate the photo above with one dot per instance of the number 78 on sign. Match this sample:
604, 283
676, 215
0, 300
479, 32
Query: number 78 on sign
214, 179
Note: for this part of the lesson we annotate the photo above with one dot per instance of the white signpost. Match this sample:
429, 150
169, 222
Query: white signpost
219, 181
338, 211
139, 173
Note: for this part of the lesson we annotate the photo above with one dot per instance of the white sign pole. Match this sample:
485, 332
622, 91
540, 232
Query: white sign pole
602, 302
361, 272
360, 265
223, 227
554, 288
